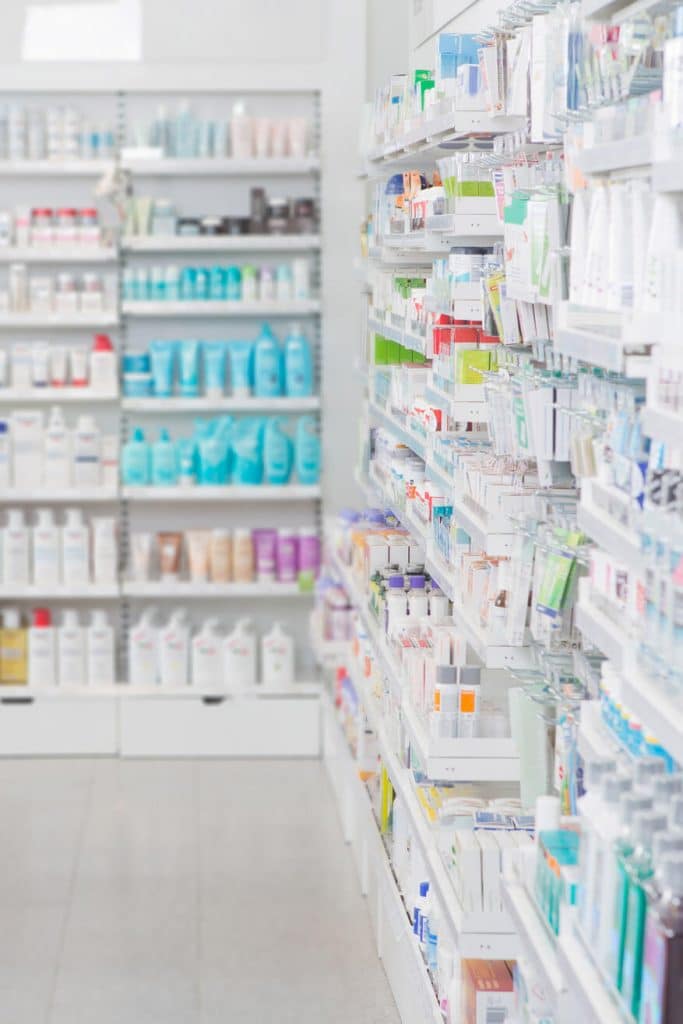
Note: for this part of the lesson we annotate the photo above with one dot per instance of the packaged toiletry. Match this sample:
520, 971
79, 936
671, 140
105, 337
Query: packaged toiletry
249, 283
233, 284
78, 363
40, 355
57, 451
283, 283
135, 461
142, 653
298, 364
46, 550
174, 651
247, 448
13, 649
207, 668
241, 369
58, 364
109, 461
243, 556
469, 699
186, 449
26, 430
265, 543
215, 452
239, 656
104, 374
105, 550
286, 555
189, 368
75, 550
142, 552
198, 554
100, 650
21, 366
215, 357
71, 647
15, 550
86, 453
308, 557
164, 462
220, 556
169, 544
308, 451
162, 362
663, 945
278, 453
301, 274
277, 658
241, 132
267, 365
42, 659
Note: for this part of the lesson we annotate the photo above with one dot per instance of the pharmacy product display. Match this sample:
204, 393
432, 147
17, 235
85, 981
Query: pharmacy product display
154, 218
48, 553
45, 649
284, 282
44, 367
53, 132
63, 293
42, 228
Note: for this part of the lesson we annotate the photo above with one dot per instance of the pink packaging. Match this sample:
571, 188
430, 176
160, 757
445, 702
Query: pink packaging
309, 557
287, 556
265, 543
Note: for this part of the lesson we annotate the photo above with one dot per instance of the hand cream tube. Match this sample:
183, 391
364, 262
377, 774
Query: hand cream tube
169, 555
161, 358
142, 550
240, 368
220, 557
189, 368
214, 368
198, 549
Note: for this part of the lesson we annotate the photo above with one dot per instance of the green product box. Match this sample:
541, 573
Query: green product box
470, 362
380, 355
486, 188
393, 352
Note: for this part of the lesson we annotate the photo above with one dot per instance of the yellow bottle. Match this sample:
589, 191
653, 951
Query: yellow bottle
13, 650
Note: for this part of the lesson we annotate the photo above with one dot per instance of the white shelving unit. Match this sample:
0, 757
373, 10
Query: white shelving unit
226, 494
56, 396
58, 321
221, 168
175, 590
220, 404
304, 307
219, 243
58, 254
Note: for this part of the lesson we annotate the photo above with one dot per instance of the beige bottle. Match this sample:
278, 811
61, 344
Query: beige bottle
243, 556
13, 649
220, 556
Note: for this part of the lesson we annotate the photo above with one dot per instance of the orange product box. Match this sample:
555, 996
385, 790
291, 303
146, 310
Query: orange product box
487, 991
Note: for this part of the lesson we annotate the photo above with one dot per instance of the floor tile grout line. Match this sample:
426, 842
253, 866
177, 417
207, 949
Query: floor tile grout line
70, 893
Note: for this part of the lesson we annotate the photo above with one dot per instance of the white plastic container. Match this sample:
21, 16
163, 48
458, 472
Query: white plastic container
26, 426
46, 550
42, 659
207, 670
105, 550
75, 550
277, 658
5, 456
104, 373
15, 550
86, 453
100, 650
239, 656
143, 650
71, 644
57, 464
174, 650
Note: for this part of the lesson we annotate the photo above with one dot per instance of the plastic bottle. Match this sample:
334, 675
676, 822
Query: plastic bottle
207, 670
105, 550
277, 658
418, 602
57, 462
100, 650
298, 364
174, 650
13, 649
277, 453
308, 450
267, 365
439, 605
42, 661
164, 462
46, 548
663, 961
396, 602
104, 377
239, 656
143, 650
592, 862
15, 550
71, 661
75, 550
420, 907
241, 132
86, 453
135, 461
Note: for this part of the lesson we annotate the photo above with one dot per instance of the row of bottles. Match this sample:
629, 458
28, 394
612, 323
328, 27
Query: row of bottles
44, 655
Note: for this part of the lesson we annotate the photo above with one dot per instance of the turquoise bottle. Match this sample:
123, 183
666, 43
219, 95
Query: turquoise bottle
164, 461
308, 450
135, 461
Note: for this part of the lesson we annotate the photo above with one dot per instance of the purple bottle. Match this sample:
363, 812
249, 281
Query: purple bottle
309, 557
287, 556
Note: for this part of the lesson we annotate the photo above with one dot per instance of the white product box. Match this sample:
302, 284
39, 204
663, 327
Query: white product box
467, 870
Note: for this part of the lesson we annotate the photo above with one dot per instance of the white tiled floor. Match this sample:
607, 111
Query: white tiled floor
136, 892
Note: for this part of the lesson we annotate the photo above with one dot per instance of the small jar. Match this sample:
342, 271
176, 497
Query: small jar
211, 225
65, 227
278, 217
188, 226
41, 226
304, 216
88, 230
163, 217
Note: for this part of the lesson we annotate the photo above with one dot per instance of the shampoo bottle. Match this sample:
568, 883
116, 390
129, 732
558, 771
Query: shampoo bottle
277, 453
174, 640
57, 462
164, 463
207, 671
239, 656
71, 669
86, 453
75, 550
15, 550
135, 461
100, 646
142, 652
13, 649
46, 571
307, 450
277, 658
42, 661
267, 365
298, 364
105, 550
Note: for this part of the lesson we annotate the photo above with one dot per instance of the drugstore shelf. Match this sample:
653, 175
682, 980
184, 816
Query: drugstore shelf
71, 496
61, 592
58, 253
536, 939
409, 339
62, 321
620, 155
466, 404
220, 243
486, 228
227, 493
54, 168
237, 309
654, 707
596, 348
460, 760
188, 589
590, 1000
52, 396
129, 691
390, 422
226, 403
595, 741
619, 540
663, 425
218, 167
605, 634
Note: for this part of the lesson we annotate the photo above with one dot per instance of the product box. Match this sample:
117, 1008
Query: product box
466, 853
490, 871
487, 992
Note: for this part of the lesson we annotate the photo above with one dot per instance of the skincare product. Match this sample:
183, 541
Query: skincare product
142, 656
207, 668
100, 650
46, 550
277, 658
42, 661
75, 550
239, 656
71, 647
174, 653
15, 550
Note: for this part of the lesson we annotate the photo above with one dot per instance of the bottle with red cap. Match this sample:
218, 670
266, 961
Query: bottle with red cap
103, 366
42, 661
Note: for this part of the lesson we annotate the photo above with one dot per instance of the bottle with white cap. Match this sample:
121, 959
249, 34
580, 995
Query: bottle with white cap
15, 550
13, 649
100, 646
207, 668
174, 640
46, 550
42, 660
57, 447
75, 550
71, 665
86, 453
239, 656
277, 658
143, 650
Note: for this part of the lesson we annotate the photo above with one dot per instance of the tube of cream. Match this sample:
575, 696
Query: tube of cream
162, 359
57, 366
187, 462
189, 368
240, 368
142, 550
214, 368
78, 359
40, 360
198, 550
221, 556
169, 555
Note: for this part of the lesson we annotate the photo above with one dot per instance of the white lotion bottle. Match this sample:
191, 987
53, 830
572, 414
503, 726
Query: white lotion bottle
239, 656
105, 550
100, 648
42, 659
15, 550
207, 670
174, 650
75, 550
46, 550
71, 669
143, 650
86, 453
277, 658
57, 453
